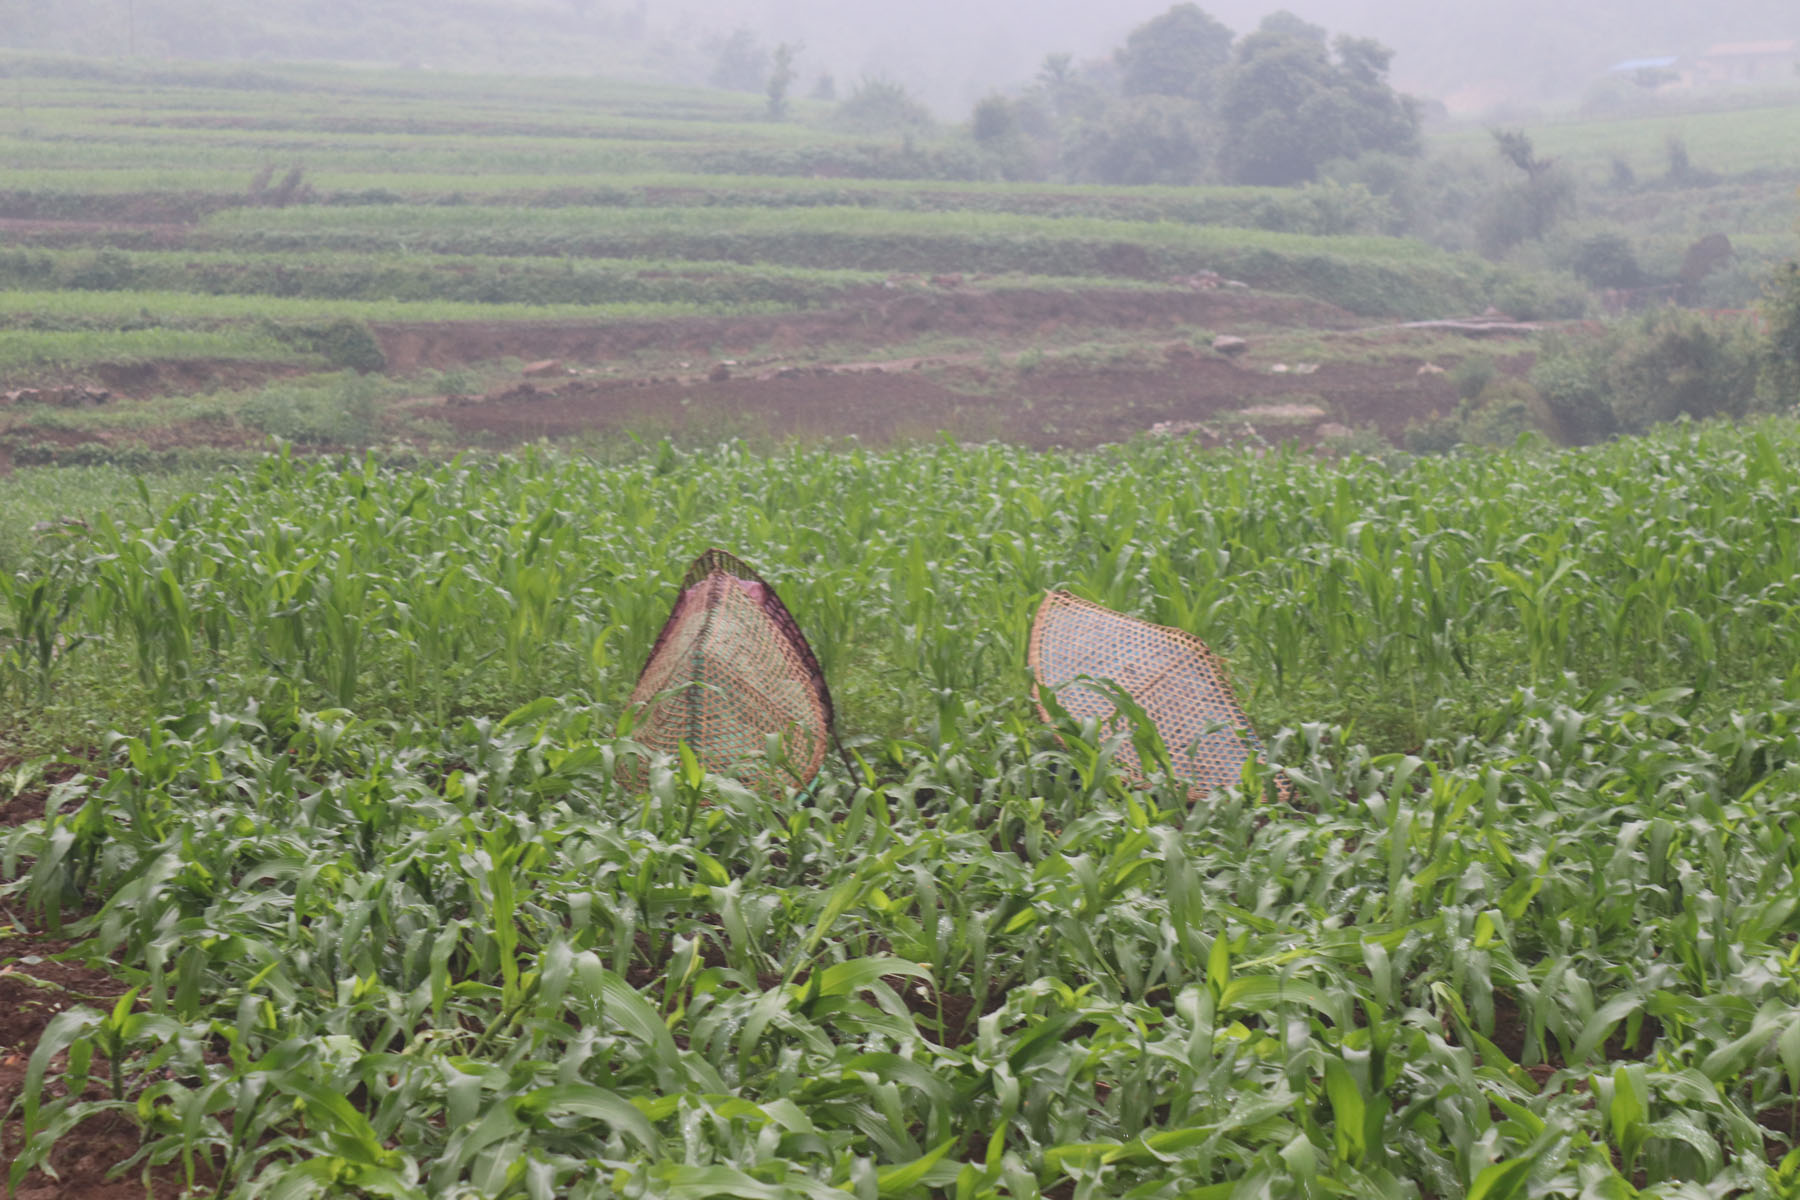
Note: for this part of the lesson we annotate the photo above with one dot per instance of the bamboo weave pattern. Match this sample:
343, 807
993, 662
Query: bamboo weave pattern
730, 668
1180, 684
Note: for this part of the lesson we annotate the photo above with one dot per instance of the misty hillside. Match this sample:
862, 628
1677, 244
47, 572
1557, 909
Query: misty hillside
1511, 52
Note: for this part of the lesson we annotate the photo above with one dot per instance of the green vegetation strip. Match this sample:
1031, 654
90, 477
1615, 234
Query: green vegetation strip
499, 284
1736, 141
33, 349
393, 926
1365, 274
107, 309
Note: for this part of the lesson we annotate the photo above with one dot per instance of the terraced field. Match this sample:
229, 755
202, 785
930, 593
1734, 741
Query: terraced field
187, 239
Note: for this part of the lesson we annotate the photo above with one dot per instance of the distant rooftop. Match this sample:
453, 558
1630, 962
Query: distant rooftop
1646, 64
1752, 49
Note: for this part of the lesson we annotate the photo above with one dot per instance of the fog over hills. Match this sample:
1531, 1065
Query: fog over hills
1528, 49
950, 52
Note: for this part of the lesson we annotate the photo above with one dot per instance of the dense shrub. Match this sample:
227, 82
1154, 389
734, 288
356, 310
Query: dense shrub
1606, 260
105, 271
882, 106
1436, 434
1531, 203
339, 411
1473, 374
1324, 209
1666, 364
1505, 410
1524, 210
1570, 376
1781, 310
1540, 297
1147, 139
1676, 363
342, 343
994, 122
1496, 411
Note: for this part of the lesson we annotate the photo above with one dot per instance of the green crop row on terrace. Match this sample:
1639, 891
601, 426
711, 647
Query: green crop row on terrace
1529, 933
450, 125
246, 154
503, 288
111, 196
68, 330
454, 128
1364, 274
721, 155
55, 311
24, 352
276, 87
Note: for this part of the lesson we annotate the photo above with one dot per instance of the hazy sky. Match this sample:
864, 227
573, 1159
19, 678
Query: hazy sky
954, 48
950, 52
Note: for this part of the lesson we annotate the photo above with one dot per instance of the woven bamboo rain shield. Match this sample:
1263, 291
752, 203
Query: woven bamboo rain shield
1179, 683
729, 668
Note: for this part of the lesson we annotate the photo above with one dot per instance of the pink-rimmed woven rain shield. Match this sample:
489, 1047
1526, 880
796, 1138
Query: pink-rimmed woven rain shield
1180, 684
729, 669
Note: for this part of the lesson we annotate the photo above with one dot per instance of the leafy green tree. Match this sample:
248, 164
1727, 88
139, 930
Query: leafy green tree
781, 78
1181, 53
1289, 105
994, 122
1606, 260
1057, 72
1146, 139
1065, 92
882, 106
742, 64
1675, 363
1523, 210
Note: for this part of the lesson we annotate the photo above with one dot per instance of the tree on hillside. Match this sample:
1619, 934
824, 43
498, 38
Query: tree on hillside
742, 64
781, 78
1145, 139
995, 121
882, 106
1066, 91
1181, 53
1290, 104
1523, 210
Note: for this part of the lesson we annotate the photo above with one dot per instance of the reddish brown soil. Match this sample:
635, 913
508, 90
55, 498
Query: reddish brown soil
160, 377
31, 994
875, 317
129, 208
1062, 407
1038, 367
55, 232
23, 447
195, 376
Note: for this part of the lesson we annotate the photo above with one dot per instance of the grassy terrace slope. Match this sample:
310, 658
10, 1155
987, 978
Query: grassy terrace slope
1734, 141
1367, 274
189, 239
151, 153
390, 924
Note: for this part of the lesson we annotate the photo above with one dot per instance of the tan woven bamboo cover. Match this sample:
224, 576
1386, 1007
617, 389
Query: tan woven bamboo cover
729, 668
1178, 682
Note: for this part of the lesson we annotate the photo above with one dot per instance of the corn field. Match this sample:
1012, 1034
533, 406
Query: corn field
393, 928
